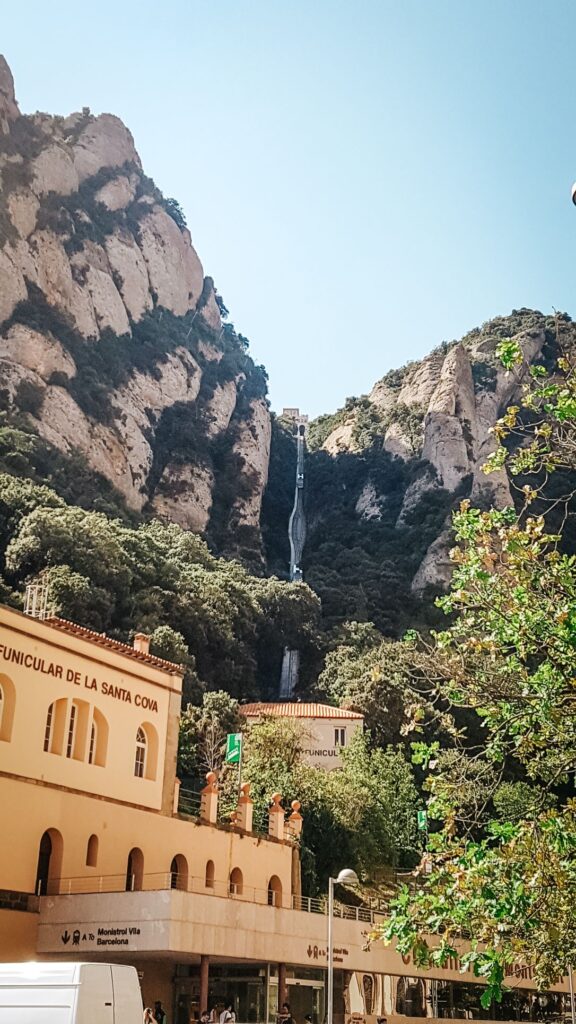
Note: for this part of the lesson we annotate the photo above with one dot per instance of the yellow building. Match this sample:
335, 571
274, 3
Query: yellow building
98, 862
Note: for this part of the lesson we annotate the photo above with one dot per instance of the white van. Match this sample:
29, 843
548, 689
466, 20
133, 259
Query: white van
69, 993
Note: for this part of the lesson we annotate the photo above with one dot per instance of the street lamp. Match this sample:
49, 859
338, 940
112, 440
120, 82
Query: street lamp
346, 877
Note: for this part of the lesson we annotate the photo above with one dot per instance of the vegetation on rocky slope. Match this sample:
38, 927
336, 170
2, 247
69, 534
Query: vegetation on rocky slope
227, 626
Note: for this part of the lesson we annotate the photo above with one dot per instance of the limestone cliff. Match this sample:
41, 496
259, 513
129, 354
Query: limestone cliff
393, 464
111, 338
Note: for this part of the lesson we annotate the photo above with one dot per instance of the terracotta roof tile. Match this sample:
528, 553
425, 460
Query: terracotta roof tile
114, 645
297, 709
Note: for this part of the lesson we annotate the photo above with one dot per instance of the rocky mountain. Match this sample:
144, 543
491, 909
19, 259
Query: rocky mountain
387, 469
124, 386
112, 341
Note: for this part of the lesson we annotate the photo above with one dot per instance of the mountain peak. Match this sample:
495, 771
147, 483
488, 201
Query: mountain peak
8, 106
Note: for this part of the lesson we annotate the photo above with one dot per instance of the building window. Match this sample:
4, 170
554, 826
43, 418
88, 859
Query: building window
57, 726
49, 727
98, 746
92, 852
92, 747
71, 731
340, 737
146, 757
236, 882
140, 760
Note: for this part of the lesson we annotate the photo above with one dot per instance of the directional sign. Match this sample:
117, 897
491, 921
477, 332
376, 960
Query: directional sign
233, 747
422, 818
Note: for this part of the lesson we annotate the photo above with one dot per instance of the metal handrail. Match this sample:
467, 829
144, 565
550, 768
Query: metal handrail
167, 880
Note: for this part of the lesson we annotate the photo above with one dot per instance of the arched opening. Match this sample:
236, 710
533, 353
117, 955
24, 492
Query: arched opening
179, 872
7, 705
55, 728
141, 751
146, 758
275, 892
49, 868
98, 746
209, 882
92, 852
71, 730
236, 882
134, 870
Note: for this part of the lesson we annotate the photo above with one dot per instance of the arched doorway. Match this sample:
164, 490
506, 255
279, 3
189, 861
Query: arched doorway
275, 892
134, 870
236, 884
179, 872
49, 867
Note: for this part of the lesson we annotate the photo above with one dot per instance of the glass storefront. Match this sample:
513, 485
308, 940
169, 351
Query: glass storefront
252, 990
359, 997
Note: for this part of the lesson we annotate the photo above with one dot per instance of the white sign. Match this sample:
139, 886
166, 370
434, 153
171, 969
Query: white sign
97, 923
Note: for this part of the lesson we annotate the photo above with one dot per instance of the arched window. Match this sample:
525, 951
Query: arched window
146, 757
236, 882
134, 870
71, 731
275, 892
210, 874
93, 741
98, 741
55, 728
140, 759
49, 727
92, 852
179, 872
49, 868
66, 728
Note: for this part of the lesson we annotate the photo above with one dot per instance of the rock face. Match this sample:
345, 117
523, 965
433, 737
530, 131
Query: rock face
435, 419
111, 340
8, 107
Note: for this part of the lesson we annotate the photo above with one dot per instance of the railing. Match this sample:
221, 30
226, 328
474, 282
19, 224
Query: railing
189, 802
162, 881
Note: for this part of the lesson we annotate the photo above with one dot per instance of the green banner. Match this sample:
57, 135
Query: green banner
233, 747
422, 818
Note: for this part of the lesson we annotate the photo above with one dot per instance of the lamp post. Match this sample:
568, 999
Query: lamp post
346, 877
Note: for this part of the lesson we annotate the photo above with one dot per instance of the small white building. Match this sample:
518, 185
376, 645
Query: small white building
326, 729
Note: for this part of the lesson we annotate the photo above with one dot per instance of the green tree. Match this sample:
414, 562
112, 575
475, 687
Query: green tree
509, 655
363, 814
389, 682
203, 731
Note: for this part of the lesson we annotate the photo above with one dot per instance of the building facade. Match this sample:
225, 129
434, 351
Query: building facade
104, 859
326, 730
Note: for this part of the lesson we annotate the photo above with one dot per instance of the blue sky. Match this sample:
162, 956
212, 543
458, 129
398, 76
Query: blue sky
362, 179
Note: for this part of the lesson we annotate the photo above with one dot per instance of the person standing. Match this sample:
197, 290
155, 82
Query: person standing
285, 1015
160, 1013
228, 1016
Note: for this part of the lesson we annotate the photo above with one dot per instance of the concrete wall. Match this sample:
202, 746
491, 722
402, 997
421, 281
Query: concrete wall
320, 748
